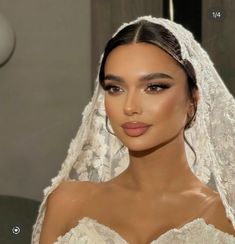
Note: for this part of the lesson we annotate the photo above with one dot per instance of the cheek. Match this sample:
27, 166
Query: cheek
112, 108
172, 110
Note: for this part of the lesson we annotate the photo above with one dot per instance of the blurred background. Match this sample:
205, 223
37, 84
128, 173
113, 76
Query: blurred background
48, 75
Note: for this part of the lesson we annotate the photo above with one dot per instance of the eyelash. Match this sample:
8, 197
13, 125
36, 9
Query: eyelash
161, 85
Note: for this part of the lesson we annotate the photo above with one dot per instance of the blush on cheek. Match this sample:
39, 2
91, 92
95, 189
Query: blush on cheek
178, 101
107, 106
111, 110
169, 106
179, 113
171, 109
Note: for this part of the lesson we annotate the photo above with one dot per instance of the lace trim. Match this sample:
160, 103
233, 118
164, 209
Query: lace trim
94, 229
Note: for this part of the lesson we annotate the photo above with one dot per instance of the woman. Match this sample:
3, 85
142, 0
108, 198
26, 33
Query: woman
143, 185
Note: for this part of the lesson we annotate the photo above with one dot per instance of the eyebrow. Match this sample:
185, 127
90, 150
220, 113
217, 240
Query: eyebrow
147, 77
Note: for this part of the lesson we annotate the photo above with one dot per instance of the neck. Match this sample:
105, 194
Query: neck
161, 169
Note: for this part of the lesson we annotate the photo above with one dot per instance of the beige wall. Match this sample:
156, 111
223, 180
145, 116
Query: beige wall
43, 90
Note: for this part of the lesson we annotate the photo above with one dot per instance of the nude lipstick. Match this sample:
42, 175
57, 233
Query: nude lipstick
135, 128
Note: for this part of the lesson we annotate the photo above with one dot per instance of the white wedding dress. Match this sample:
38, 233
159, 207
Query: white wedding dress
89, 231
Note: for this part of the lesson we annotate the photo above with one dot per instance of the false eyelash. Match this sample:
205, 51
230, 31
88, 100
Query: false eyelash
107, 87
161, 85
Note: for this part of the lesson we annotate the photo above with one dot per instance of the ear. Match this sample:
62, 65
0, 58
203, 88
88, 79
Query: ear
191, 107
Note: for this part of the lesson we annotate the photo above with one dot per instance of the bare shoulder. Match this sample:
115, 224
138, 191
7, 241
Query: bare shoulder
69, 193
59, 207
73, 188
72, 194
217, 216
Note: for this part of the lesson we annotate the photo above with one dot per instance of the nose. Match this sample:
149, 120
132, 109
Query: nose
132, 104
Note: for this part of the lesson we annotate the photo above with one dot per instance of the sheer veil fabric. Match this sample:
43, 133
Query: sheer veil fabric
95, 155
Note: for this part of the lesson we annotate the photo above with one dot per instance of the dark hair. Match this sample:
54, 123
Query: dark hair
152, 33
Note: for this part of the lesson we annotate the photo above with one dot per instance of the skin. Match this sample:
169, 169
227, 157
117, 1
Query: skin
157, 158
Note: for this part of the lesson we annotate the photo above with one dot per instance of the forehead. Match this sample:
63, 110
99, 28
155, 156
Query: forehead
140, 54
141, 57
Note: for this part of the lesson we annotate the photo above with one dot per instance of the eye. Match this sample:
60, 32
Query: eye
157, 87
154, 88
111, 89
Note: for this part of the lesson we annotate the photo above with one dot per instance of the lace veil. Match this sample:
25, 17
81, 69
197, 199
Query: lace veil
94, 154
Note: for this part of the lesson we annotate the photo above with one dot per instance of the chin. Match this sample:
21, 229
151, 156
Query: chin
138, 143
141, 150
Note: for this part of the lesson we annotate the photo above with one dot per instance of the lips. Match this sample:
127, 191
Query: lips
134, 125
135, 128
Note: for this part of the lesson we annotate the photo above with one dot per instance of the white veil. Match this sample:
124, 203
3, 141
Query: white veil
94, 154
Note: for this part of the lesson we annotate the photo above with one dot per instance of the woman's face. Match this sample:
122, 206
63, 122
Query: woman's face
134, 74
